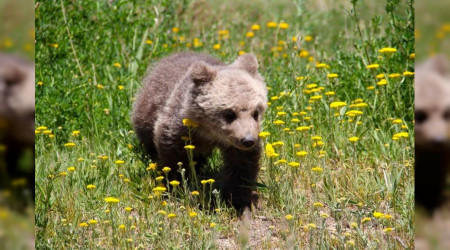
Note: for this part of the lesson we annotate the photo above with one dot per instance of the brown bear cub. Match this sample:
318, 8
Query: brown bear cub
432, 130
226, 101
16, 123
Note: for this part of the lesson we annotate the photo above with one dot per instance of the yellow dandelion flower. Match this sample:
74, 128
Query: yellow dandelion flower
294, 164
117, 65
195, 193
151, 166
317, 169
308, 38
119, 162
83, 224
377, 214
111, 200
373, 66
387, 50
69, 145
128, 209
270, 151
289, 217
175, 29
250, 34
311, 225
408, 73
332, 75
159, 178
316, 138
400, 135
255, 27
388, 229
353, 139
278, 122
122, 227
318, 204
171, 215
189, 147
322, 65
337, 104
91, 186
166, 169
283, 25
301, 153
212, 225
71, 169
302, 128
271, 24
149, 42
190, 123
93, 222
159, 189
174, 183
46, 132
216, 46
394, 75
382, 82
120, 87
193, 214
264, 134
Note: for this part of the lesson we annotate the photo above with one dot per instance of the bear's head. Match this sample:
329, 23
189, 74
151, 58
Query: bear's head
228, 101
432, 103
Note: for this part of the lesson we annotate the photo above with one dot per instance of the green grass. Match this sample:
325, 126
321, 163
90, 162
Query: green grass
81, 90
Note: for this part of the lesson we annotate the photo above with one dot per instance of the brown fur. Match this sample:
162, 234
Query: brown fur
432, 128
17, 115
203, 89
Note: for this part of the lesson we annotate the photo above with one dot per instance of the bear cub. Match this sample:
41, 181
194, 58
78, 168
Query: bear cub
226, 101
432, 130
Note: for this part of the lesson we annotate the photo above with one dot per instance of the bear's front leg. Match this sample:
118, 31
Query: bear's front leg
170, 148
239, 175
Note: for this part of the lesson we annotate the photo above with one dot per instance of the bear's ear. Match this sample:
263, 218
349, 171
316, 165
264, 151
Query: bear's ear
247, 62
202, 73
438, 64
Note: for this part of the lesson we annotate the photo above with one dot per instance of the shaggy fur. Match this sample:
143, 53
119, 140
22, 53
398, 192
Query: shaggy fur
432, 130
17, 114
227, 101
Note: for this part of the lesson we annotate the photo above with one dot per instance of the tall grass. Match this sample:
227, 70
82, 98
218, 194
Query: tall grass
338, 193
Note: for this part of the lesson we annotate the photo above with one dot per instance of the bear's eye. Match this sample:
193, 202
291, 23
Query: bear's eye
256, 115
229, 115
420, 116
447, 115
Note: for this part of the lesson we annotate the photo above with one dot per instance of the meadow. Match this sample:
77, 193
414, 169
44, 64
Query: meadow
337, 170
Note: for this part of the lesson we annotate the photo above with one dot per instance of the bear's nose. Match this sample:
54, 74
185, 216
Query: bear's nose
248, 141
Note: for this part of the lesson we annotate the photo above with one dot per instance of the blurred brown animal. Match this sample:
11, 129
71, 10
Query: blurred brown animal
432, 130
17, 109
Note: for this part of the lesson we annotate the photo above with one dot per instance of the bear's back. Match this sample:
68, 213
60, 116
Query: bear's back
157, 86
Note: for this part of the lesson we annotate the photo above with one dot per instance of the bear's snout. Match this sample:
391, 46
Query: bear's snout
248, 141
